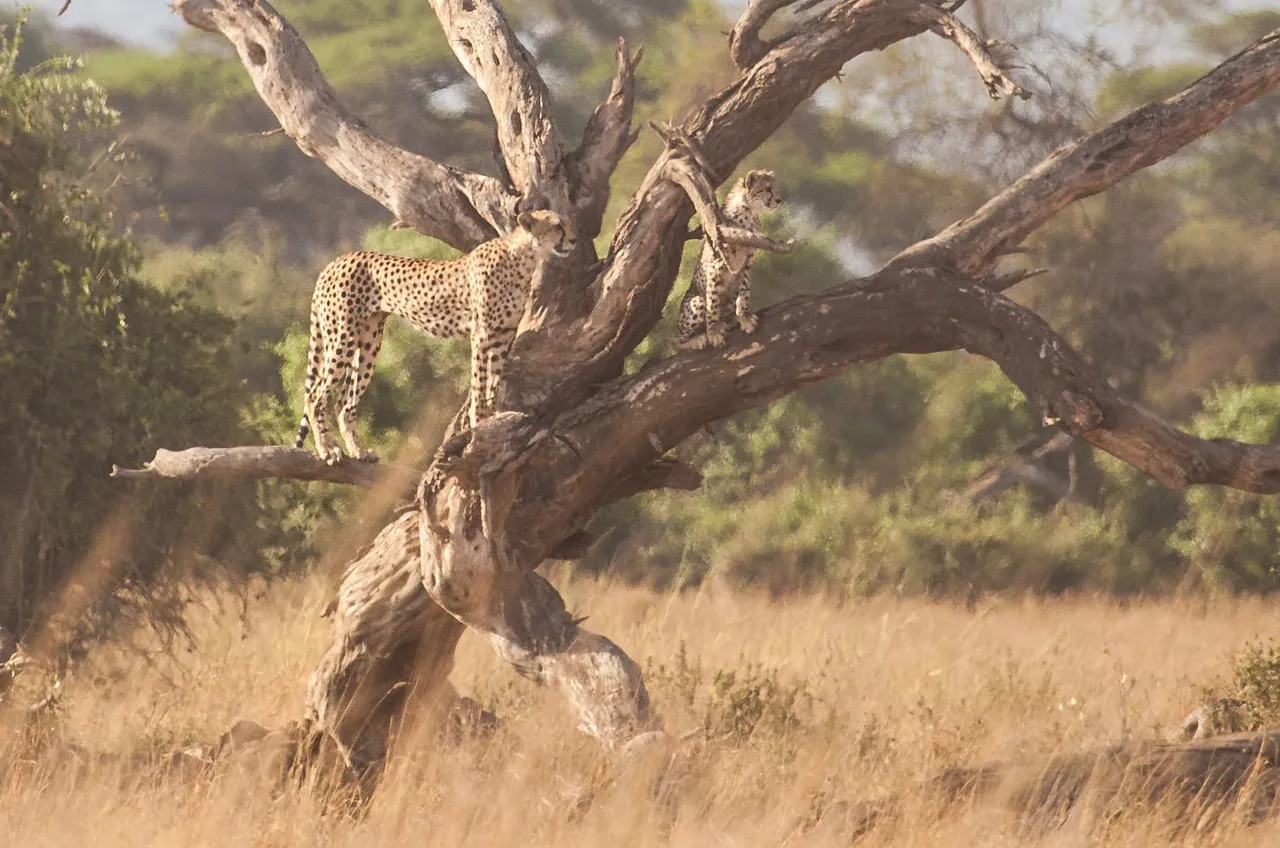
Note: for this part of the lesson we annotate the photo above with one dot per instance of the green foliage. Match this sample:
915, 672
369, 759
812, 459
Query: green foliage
96, 367
1231, 537
1257, 684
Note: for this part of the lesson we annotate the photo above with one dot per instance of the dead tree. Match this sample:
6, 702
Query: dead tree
577, 431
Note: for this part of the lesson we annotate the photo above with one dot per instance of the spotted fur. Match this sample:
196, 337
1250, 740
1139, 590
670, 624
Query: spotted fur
720, 292
481, 296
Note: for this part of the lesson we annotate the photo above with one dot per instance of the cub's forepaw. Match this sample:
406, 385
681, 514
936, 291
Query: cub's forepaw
698, 342
748, 322
716, 339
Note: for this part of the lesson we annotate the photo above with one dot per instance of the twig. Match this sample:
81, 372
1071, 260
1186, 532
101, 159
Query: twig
949, 27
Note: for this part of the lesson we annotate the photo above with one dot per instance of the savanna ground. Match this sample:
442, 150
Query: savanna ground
802, 703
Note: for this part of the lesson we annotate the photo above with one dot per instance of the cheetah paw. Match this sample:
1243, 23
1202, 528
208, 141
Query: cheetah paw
696, 343
331, 455
715, 339
748, 322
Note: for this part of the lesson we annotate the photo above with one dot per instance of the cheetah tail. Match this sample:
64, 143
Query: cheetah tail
303, 430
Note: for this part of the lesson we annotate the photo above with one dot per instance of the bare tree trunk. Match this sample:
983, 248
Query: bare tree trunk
577, 431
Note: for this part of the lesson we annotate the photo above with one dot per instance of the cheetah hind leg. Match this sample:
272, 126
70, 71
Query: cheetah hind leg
691, 329
358, 377
317, 404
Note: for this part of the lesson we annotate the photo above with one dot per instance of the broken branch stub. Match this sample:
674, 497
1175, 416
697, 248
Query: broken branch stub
952, 29
262, 462
606, 138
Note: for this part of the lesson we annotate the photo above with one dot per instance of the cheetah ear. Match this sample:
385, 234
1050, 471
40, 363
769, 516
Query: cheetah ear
526, 220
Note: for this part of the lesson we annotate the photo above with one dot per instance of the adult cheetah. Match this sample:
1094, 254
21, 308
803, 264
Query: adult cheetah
720, 282
480, 296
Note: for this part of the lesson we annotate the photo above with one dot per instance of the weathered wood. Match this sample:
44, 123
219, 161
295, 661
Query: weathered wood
489, 51
390, 642
947, 25
261, 462
607, 136
460, 208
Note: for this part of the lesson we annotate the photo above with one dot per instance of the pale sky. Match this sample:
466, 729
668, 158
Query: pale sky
152, 23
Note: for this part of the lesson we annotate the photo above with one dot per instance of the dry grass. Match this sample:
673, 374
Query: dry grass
824, 703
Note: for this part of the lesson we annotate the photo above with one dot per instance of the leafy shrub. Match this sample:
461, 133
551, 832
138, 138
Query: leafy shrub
1231, 537
96, 368
1257, 684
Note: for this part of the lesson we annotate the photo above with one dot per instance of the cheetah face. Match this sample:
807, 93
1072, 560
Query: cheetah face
763, 191
551, 233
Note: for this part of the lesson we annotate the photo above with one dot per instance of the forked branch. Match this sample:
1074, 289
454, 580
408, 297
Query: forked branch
806, 340
745, 44
457, 207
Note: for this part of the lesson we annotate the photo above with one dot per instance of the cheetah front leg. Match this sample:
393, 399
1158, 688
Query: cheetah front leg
480, 395
714, 295
495, 360
691, 328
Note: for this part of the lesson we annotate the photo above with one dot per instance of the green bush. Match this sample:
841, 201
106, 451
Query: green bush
96, 368
1231, 538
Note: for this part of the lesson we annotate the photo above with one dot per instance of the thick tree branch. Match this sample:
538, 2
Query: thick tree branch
489, 51
1099, 161
459, 208
608, 135
637, 418
259, 463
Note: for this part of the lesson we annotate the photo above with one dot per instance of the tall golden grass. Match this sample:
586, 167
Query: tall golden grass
798, 705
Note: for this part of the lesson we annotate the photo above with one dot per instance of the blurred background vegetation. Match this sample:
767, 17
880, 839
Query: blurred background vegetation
158, 245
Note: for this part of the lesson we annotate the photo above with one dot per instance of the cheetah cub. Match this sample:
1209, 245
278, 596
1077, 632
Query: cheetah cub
480, 296
718, 285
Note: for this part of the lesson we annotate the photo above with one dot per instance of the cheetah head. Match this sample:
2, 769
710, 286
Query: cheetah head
551, 233
763, 191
